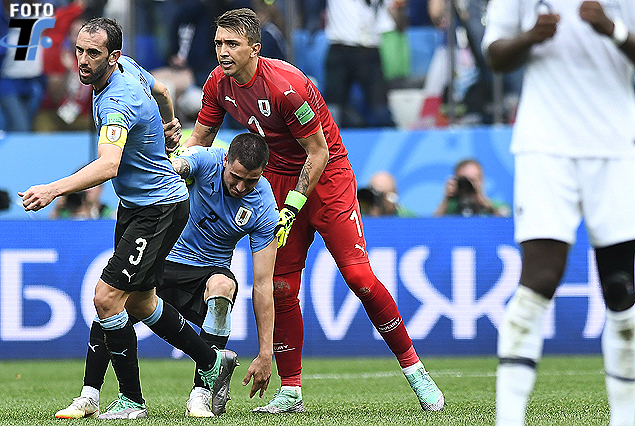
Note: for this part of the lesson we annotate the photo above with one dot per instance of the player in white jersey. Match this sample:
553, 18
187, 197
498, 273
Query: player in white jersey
574, 147
228, 200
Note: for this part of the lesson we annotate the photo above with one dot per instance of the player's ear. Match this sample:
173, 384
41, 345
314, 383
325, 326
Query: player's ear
114, 57
255, 49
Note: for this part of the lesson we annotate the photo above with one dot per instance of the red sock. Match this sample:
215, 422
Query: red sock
382, 310
288, 333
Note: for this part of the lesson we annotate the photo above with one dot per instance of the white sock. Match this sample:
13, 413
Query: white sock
514, 383
519, 338
91, 393
619, 364
296, 389
621, 401
412, 368
199, 391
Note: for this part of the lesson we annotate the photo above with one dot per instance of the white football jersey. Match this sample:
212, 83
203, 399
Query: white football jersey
577, 98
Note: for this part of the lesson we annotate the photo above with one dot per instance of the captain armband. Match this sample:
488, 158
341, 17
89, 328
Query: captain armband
113, 134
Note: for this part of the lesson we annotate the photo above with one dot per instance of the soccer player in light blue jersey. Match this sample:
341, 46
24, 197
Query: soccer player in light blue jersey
153, 211
228, 200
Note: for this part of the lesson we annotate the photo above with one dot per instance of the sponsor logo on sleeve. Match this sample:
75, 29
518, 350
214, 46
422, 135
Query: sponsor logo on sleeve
304, 114
115, 118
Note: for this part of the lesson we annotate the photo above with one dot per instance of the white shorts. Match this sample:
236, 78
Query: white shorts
552, 194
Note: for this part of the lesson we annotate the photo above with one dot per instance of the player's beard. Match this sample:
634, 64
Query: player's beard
95, 75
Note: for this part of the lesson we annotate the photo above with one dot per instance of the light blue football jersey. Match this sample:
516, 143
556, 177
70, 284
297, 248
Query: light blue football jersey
217, 220
145, 175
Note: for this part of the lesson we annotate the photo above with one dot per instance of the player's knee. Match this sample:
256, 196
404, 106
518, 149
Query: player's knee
360, 279
220, 285
615, 267
619, 294
286, 286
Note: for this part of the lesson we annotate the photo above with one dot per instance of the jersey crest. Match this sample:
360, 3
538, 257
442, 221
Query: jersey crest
264, 107
242, 216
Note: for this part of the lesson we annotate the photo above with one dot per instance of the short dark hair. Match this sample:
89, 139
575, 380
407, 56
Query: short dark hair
243, 21
111, 27
250, 149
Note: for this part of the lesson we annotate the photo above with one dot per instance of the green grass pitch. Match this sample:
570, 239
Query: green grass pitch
337, 391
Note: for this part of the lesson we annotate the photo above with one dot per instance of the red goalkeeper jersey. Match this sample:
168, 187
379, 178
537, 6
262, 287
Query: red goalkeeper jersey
281, 104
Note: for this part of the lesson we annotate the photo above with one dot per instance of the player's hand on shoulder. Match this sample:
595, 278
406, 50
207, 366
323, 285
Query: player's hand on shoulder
593, 13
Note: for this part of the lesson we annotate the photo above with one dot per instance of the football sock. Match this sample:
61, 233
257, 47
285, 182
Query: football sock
97, 359
211, 340
218, 318
90, 392
121, 341
288, 332
519, 349
380, 308
170, 325
514, 383
619, 364
412, 368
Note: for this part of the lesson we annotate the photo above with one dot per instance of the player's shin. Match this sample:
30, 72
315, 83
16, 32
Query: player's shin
121, 341
618, 348
519, 349
170, 325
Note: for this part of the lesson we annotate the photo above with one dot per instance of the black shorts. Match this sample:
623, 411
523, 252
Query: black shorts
143, 238
184, 288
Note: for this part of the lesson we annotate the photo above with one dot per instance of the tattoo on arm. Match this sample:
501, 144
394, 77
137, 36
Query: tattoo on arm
303, 182
211, 131
182, 167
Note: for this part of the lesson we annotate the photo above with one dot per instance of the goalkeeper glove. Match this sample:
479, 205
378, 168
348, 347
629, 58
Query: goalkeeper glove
292, 205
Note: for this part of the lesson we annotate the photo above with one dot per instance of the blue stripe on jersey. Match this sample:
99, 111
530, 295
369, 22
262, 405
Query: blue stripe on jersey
218, 221
145, 174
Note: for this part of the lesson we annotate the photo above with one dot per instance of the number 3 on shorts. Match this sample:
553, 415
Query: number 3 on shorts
141, 246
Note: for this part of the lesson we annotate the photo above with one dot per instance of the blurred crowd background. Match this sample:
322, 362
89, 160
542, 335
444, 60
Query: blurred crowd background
409, 64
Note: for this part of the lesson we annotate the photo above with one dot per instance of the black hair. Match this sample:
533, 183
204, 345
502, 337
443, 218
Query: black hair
250, 149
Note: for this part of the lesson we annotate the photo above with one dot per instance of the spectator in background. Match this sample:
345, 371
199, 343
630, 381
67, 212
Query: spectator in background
474, 80
272, 39
381, 198
83, 205
354, 28
66, 103
464, 193
191, 52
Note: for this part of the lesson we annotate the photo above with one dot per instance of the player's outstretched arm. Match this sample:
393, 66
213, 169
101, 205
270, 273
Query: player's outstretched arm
262, 296
99, 171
